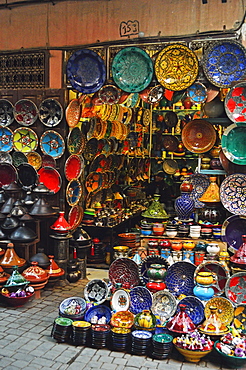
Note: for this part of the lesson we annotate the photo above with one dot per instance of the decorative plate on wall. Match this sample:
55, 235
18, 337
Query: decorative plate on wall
198, 136
6, 112
109, 94
75, 141
27, 175
18, 158
6, 139
233, 143
73, 167
155, 94
25, 140
232, 230
73, 112
75, 216
86, 71
48, 161
51, 178
52, 143
25, 112
176, 67
34, 159
224, 63
74, 192
235, 288
8, 174
235, 103
132, 69
94, 182
233, 193
197, 92
6, 157
50, 112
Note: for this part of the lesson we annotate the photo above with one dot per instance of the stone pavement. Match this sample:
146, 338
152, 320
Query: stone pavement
26, 343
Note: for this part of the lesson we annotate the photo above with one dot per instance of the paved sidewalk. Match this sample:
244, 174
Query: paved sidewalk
26, 343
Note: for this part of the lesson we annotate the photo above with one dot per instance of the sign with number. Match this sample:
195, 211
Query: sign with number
129, 28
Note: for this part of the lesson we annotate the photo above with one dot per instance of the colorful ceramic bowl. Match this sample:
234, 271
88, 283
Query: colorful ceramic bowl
191, 355
231, 362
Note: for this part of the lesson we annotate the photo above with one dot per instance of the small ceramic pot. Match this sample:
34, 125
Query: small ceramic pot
189, 246
213, 249
177, 245
156, 272
171, 233
205, 278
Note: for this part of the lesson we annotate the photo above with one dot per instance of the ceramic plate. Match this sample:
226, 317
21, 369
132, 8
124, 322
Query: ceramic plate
219, 270
233, 193
120, 300
75, 141
233, 143
52, 143
164, 304
155, 94
75, 216
51, 178
25, 140
145, 264
73, 167
132, 69
200, 184
225, 309
18, 158
96, 290
99, 164
229, 166
8, 174
124, 270
224, 63
232, 230
27, 175
240, 317
5, 157
93, 182
6, 112
197, 92
34, 159
74, 192
180, 278
122, 319
25, 112
91, 149
170, 143
194, 308
109, 94
235, 103
6, 139
235, 288
176, 67
48, 161
198, 136
86, 71
98, 311
73, 112
140, 299
50, 112
171, 119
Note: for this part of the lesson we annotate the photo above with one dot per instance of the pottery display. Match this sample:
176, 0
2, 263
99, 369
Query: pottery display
181, 323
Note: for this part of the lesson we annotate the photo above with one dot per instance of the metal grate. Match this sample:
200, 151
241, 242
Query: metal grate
23, 70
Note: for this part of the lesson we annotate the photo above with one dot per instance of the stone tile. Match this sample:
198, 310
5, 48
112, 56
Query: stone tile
120, 361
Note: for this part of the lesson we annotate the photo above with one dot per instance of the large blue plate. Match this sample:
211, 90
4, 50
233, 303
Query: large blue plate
140, 299
232, 230
6, 139
132, 69
86, 71
52, 143
180, 278
224, 63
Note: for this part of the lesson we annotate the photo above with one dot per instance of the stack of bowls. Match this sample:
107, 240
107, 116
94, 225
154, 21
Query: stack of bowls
100, 335
80, 332
141, 342
146, 228
171, 230
62, 328
183, 230
162, 345
120, 338
73, 308
206, 232
195, 231
130, 240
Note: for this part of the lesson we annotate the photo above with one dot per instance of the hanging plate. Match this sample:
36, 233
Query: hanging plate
233, 143
91, 149
18, 158
48, 161
235, 288
109, 94
8, 174
75, 141
6, 139
34, 159
73, 113
170, 166
132, 69
50, 112
235, 103
86, 71
52, 143
74, 192
198, 136
25, 112
176, 67
51, 178
5, 157
25, 140
6, 112
75, 216
197, 92
224, 63
93, 182
73, 167
27, 175
155, 94
225, 309
233, 193
232, 230
200, 184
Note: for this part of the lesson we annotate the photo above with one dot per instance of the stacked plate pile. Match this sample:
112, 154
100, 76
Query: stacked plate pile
80, 332
162, 345
120, 338
100, 335
141, 342
61, 330
131, 240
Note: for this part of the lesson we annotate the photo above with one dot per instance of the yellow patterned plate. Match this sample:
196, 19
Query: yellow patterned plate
176, 67
225, 309
34, 159
81, 324
122, 319
25, 140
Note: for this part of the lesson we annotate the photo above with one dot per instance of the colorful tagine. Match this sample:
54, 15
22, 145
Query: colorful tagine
181, 322
61, 225
239, 257
16, 280
54, 271
37, 276
213, 325
212, 194
11, 259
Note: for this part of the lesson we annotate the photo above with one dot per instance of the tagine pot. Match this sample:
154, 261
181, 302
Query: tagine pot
61, 225
11, 259
23, 234
181, 323
37, 276
16, 281
73, 271
54, 271
41, 258
239, 258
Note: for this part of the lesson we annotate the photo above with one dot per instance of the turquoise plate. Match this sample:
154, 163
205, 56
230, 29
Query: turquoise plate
52, 143
132, 69
233, 143
6, 139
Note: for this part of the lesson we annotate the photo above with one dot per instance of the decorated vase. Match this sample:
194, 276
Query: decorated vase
156, 272
184, 204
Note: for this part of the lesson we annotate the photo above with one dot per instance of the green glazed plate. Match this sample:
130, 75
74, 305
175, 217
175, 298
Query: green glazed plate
132, 69
63, 321
233, 143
